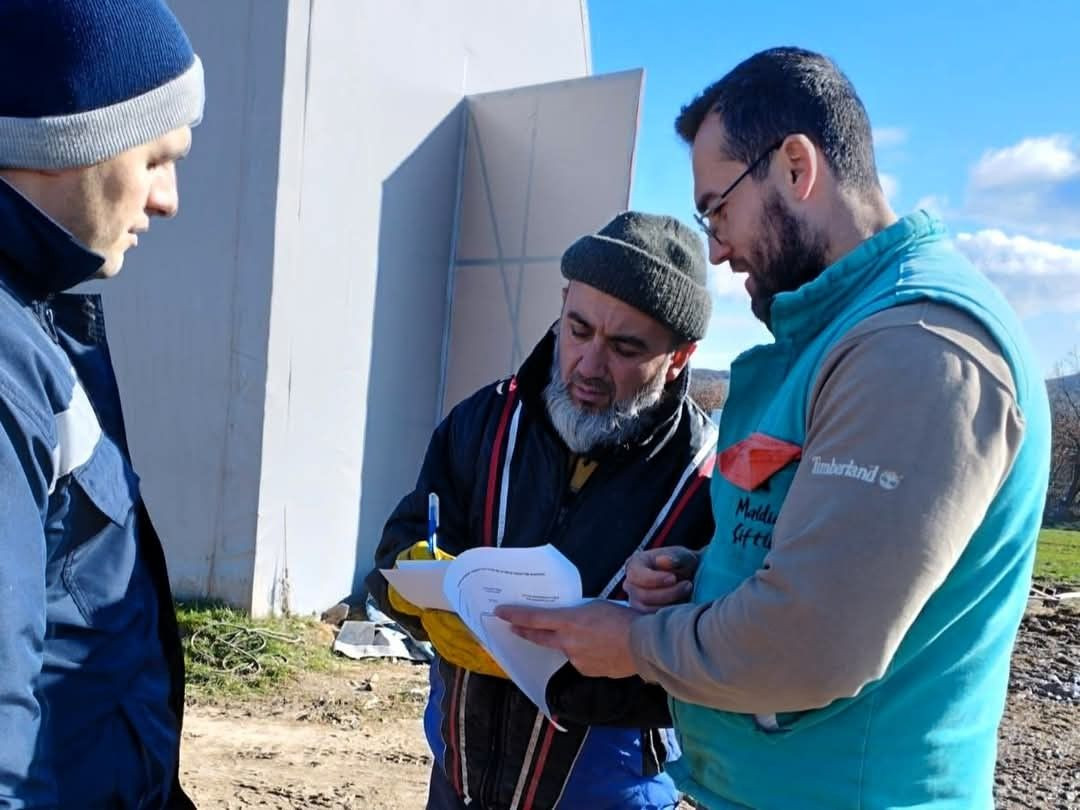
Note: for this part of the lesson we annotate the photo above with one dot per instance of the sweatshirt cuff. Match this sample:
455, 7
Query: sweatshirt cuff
645, 630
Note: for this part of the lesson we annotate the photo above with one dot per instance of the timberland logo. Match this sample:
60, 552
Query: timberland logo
886, 479
889, 479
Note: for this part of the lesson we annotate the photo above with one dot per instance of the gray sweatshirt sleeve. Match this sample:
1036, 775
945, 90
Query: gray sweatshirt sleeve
922, 392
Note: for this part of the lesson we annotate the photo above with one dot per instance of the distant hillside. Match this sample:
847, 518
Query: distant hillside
708, 388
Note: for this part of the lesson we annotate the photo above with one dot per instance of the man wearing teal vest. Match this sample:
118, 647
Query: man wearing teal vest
844, 640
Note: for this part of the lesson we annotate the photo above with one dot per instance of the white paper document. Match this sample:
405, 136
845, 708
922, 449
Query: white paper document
421, 582
480, 580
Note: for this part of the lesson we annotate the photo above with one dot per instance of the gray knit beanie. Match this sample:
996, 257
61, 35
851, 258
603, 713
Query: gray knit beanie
653, 263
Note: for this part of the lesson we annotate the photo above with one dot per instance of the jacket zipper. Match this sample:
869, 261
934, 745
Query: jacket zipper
47, 321
491, 780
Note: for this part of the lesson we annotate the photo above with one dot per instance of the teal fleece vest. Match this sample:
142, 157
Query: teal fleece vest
923, 735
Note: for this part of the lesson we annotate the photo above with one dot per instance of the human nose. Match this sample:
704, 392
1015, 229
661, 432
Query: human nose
164, 197
719, 250
593, 361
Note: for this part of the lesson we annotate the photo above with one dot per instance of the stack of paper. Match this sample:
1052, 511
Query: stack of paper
481, 579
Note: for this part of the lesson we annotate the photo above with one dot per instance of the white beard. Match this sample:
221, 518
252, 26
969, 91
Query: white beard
583, 429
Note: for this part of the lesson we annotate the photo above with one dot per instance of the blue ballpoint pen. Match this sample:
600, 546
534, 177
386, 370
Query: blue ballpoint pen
432, 523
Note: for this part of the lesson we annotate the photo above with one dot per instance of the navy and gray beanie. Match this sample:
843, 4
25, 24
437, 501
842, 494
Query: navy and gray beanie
653, 263
87, 79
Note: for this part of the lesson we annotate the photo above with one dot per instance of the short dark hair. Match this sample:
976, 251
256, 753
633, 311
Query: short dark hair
787, 91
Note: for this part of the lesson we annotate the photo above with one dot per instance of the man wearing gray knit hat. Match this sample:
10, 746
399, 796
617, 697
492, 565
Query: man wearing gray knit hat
654, 263
97, 109
594, 447
636, 265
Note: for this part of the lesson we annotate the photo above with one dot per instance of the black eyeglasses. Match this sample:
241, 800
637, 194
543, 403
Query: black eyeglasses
703, 218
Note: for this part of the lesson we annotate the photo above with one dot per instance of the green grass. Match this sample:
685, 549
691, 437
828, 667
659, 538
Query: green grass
230, 654
1058, 556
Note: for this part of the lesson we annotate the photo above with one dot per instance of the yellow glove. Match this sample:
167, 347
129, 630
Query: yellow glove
456, 643
449, 635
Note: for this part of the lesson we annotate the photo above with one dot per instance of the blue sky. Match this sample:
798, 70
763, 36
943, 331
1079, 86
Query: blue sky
976, 113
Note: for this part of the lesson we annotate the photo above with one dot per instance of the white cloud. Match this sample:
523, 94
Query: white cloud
732, 327
724, 284
934, 203
884, 137
1035, 276
889, 185
1031, 162
1033, 186
732, 330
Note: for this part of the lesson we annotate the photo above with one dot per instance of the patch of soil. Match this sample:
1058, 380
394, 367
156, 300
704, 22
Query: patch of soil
346, 741
1039, 740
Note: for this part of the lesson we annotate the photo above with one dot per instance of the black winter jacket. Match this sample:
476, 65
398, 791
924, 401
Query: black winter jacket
502, 475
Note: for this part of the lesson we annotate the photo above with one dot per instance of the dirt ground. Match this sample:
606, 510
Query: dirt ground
350, 740
354, 739
1039, 741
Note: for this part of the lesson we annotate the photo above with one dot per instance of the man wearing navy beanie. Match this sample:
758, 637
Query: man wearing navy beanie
96, 107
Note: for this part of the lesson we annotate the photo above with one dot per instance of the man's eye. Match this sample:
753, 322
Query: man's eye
580, 334
626, 351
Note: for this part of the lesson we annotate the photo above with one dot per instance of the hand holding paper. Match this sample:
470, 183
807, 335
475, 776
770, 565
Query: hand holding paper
482, 579
595, 636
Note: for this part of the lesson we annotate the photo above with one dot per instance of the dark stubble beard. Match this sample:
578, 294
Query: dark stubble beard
791, 254
585, 429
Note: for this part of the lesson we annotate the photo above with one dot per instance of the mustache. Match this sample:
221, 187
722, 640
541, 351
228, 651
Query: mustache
739, 265
598, 384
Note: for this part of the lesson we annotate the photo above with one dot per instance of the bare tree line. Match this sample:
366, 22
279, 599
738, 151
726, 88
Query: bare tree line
1063, 498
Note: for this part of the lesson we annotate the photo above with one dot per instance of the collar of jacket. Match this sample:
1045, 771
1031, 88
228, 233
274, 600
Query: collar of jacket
660, 423
37, 256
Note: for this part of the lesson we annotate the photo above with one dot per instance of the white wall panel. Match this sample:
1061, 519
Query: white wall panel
543, 165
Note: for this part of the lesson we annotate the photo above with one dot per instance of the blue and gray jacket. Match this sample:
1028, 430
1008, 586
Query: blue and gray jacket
91, 670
